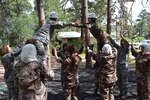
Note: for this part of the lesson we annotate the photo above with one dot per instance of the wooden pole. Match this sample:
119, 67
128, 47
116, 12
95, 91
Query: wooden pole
109, 17
41, 14
86, 32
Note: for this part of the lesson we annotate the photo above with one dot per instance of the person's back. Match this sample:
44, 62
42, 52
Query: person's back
142, 70
8, 63
107, 73
9, 74
30, 74
108, 69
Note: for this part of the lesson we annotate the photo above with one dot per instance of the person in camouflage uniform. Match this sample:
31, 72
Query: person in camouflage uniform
70, 74
122, 66
71, 77
60, 56
98, 33
96, 56
30, 74
106, 71
142, 71
100, 37
45, 33
9, 74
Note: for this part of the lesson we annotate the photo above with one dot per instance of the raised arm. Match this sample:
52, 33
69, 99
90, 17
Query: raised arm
55, 52
126, 44
133, 51
60, 24
114, 43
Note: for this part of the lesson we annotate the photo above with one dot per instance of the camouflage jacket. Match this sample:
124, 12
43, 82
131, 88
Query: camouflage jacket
63, 56
100, 36
143, 65
107, 69
31, 75
8, 63
71, 70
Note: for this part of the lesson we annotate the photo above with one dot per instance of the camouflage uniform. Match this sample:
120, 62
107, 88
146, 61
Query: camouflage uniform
142, 74
98, 33
100, 36
43, 36
107, 76
9, 76
29, 79
97, 58
63, 55
71, 79
122, 66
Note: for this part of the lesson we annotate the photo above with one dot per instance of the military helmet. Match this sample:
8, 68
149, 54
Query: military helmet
92, 15
53, 14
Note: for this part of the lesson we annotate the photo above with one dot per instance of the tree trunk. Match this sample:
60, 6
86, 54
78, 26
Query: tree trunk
109, 16
86, 31
41, 15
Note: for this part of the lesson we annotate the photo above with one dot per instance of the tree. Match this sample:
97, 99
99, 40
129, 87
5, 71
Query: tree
143, 24
41, 13
14, 19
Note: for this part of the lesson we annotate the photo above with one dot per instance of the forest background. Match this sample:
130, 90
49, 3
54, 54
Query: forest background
19, 19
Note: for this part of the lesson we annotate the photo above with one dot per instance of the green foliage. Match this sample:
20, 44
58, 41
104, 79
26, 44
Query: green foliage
74, 41
15, 21
53, 5
143, 24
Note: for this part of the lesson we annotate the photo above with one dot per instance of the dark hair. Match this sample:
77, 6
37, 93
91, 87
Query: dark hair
31, 41
64, 45
72, 49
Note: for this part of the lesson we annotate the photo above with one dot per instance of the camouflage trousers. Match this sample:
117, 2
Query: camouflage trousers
143, 88
42, 52
37, 93
106, 91
96, 76
12, 91
122, 82
71, 93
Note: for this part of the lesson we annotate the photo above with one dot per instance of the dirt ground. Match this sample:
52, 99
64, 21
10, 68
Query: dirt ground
86, 85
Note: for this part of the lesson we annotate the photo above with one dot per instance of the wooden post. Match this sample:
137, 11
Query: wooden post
86, 32
109, 16
41, 14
